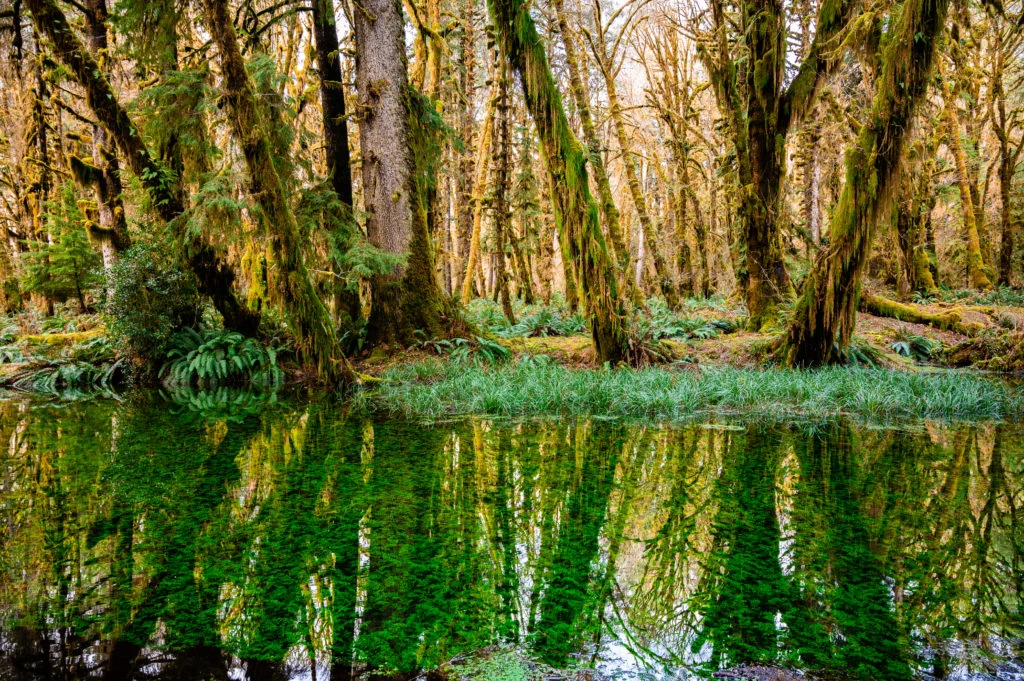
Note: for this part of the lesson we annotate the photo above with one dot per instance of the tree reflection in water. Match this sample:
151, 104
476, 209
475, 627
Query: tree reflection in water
273, 541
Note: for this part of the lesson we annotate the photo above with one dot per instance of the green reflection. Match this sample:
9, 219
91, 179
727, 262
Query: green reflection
146, 541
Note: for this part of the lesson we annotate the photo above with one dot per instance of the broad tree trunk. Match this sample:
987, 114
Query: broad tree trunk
215, 277
824, 318
408, 298
311, 324
576, 211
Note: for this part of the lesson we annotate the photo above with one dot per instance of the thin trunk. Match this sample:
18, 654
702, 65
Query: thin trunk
580, 90
502, 178
111, 231
479, 187
976, 276
666, 285
576, 211
332, 110
317, 345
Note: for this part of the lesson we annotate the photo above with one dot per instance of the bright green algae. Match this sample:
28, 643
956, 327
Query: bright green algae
267, 537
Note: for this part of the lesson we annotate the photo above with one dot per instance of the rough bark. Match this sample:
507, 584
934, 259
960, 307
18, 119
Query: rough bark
576, 211
111, 229
215, 277
760, 113
825, 315
502, 179
317, 346
408, 298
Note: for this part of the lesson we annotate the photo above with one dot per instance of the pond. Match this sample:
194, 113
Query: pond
149, 539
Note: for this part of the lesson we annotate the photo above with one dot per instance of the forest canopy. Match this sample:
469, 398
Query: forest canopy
335, 177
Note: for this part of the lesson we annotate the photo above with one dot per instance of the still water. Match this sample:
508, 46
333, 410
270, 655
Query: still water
149, 540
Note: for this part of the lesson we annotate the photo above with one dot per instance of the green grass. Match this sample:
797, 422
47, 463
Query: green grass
535, 387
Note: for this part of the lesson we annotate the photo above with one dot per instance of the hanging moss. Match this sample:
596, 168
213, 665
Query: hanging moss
824, 317
576, 211
311, 323
215, 277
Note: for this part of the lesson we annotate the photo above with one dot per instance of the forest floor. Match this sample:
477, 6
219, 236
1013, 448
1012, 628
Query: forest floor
680, 356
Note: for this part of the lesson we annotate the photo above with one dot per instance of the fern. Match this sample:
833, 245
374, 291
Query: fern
211, 357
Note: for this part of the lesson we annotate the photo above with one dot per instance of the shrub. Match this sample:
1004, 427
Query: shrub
153, 299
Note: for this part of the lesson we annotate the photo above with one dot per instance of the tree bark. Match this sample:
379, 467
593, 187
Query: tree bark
581, 96
406, 299
317, 345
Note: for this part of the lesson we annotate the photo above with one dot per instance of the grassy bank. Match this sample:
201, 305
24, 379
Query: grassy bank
437, 388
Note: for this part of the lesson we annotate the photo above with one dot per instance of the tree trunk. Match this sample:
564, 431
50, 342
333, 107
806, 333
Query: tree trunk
976, 276
576, 211
502, 178
581, 96
479, 187
665, 283
824, 317
111, 231
311, 324
407, 299
215, 277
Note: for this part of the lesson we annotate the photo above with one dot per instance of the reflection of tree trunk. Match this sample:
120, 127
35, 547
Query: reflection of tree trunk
568, 597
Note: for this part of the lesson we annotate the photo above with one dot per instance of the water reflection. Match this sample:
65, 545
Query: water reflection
272, 541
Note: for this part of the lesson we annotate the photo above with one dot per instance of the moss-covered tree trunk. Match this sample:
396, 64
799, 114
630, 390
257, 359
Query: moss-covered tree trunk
581, 97
465, 173
1009, 154
110, 231
407, 299
310, 321
976, 276
215, 277
502, 178
825, 314
760, 112
666, 285
576, 211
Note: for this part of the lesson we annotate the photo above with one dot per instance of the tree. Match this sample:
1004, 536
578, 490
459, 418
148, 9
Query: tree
746, 59
825, 315
216, 279
576, 211
314, 332
407, 299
